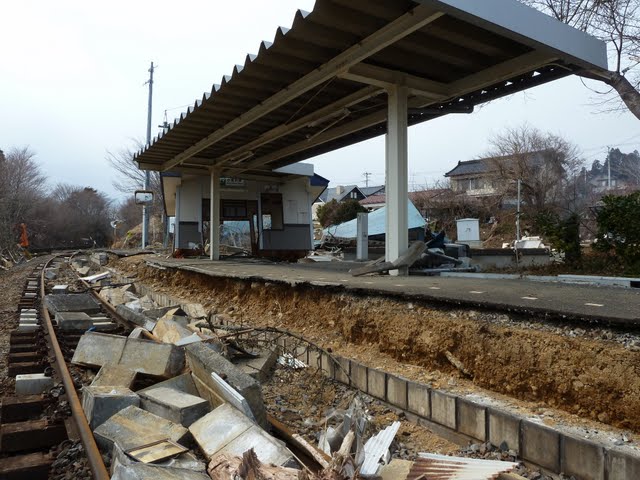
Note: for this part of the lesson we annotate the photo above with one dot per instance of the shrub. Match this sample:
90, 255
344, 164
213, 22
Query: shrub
619, 228
562, 233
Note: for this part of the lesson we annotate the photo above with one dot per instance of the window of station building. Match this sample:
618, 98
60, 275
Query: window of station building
272, 211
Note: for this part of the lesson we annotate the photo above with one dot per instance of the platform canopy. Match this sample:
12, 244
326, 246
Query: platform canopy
321, 84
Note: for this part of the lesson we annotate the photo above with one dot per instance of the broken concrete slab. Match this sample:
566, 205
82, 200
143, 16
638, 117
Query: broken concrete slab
194, 310
138, 332
74, 321
144, 471
193, 338
141, 304
98, 349
174, 405
101, 403
259, 368
170, 332
227, 431
74, 302
33, 384
60, 289
117, 296
136, 318
203, 361
162, 312
158, 359
143, 356
113, 375
134, 427
184, 461
183, 383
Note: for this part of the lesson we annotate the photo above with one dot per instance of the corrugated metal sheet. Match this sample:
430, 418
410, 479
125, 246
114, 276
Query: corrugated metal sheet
453, 47
349, 229
440, 467
376, 447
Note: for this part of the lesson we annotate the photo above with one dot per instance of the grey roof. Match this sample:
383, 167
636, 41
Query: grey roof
332, 194
368, 191
470, 167
321, 85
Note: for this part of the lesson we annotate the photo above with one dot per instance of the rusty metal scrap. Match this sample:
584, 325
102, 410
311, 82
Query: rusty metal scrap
441, 467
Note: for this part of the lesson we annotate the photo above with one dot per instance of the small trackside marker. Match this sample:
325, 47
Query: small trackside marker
594, 305
475, 292
529, 298
400, 285
434, 288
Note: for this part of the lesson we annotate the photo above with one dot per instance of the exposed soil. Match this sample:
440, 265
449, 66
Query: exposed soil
591, 378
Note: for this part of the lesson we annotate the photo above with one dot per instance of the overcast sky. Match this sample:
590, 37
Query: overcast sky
72, 75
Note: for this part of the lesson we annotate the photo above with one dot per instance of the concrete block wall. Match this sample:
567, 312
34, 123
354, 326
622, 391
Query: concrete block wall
536, 444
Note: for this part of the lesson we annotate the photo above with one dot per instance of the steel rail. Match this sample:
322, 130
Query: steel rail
96, 462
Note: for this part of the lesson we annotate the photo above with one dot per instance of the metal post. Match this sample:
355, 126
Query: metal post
145, 215
176, 220
214, 216
397, 178
362, 247
518, 212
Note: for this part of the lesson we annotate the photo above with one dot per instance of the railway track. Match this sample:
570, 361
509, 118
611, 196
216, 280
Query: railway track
35, 421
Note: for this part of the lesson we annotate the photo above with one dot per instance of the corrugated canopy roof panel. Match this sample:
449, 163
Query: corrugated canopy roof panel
321, 85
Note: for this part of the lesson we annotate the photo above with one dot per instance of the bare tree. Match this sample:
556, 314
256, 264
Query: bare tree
543, 162
618, 23
22, 188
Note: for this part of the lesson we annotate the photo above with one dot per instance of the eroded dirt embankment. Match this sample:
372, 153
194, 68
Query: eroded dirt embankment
593, 379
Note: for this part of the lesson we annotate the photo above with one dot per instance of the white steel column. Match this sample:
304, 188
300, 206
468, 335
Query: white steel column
397, 177
214, 216
176, 220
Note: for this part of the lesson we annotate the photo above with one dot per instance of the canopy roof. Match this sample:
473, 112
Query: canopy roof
321, 84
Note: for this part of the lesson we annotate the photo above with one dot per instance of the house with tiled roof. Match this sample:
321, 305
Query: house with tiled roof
475, 178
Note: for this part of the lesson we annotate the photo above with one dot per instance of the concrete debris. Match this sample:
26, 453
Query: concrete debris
288, 360
136, 317
51, 274
111, 375
101, 403
174, 405
143, 471
260, 367
376, 447
96, 278
139, 332
193, 338
396, 469
228, 431
33, 384
184, 461
457, 363
83, 270
60, 289
117, 296
134, 427
182, 383
74, 302
226, 467
203, 361
170, 332
74, 321
413, 254
143, 356
194, 310
165, 312
141, 304
99, 258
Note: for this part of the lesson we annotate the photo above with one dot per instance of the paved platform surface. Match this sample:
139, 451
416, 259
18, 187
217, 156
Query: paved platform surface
606, 305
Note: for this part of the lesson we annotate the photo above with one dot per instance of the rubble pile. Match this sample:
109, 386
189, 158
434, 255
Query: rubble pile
182, 398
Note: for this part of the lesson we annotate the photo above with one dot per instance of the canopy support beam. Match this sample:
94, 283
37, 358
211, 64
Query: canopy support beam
397, 177
214, 216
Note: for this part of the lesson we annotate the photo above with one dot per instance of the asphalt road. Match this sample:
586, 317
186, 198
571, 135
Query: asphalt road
606, 305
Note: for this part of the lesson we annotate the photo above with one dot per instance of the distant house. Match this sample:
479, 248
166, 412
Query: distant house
342, 193
475, 178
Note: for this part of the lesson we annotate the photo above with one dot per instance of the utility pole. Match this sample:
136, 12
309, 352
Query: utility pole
609, 169
366, 176
518, 211
145, 214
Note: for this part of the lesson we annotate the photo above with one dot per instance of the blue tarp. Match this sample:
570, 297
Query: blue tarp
376, 223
